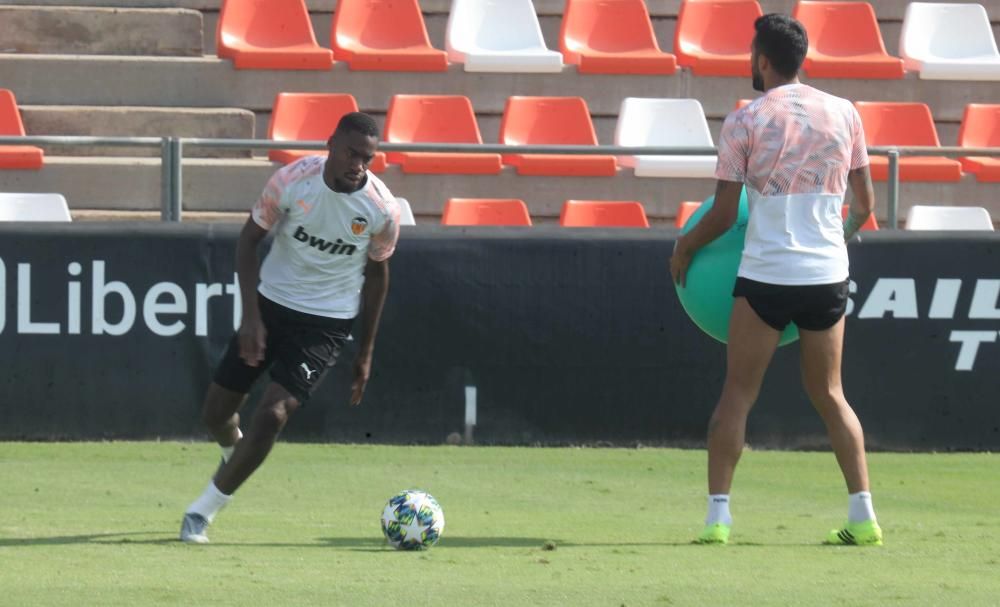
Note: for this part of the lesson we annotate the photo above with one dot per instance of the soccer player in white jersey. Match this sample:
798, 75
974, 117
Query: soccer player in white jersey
796, 149
335, 226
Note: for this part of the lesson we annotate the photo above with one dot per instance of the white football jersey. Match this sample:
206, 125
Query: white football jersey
322, 238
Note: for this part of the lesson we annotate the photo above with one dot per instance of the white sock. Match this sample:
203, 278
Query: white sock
718, 510
210, 502
227, 452
859, 507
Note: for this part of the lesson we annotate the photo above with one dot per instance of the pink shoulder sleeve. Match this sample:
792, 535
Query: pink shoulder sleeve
734, 148
269, 207
859, 152
383, 244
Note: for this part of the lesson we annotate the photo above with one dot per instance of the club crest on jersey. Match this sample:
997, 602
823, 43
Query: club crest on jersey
359, 225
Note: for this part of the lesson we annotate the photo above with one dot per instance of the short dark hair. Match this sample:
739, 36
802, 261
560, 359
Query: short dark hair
783, 41
357, 122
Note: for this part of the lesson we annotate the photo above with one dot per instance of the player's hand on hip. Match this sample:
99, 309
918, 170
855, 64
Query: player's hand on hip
362, 369
253, 340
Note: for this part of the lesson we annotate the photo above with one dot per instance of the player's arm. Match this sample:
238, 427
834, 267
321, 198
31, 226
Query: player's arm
863, 203
252, 333
716, 221
372, 300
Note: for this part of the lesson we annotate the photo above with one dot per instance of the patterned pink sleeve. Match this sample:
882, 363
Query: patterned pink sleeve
859, 151
734, 148
269, 206
383, 244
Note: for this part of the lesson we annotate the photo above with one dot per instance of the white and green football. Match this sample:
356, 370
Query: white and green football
412, 520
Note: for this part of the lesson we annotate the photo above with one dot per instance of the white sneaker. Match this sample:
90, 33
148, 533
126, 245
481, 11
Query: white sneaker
193, 528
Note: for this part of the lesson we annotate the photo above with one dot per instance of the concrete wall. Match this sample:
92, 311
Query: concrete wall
108, 31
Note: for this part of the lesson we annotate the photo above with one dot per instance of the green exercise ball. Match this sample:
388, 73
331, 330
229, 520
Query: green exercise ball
708, 296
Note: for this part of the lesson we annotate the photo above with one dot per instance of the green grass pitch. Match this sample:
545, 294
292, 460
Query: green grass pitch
96, 524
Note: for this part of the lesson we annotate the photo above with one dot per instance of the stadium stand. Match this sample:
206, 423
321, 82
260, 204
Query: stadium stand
436, 119
905, 124
713, 36
310, 117
386, 35
15, 156
485, 212
552, 120
177, 88
845, 41
981, 129
668, 123
603, 214
612, 37
269, 35
33, 207
927, 217
949, 42
498, 36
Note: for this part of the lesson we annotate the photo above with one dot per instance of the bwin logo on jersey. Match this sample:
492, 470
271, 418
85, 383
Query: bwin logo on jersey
337, 247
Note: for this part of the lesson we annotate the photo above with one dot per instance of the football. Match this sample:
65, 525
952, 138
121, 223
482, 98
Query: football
412, 520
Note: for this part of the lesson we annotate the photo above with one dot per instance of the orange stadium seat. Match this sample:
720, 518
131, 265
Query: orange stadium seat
485, 212
742, 103
603, 213
15, 156
845, 41
436, 119
981, 129
552, 121
871, 224
684, 212
386, 35
269, 35
713, 36
905, 124
612, 37
310, 117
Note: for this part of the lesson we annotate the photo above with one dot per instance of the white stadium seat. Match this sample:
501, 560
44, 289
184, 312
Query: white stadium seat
498, 36
665, 122
405, 212
33, 207
949, 42
922, 217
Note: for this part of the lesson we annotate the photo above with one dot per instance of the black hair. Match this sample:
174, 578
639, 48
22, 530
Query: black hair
783, 41
357, 122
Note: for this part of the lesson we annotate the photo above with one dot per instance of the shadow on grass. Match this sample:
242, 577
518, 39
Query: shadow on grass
366, 544
125, 537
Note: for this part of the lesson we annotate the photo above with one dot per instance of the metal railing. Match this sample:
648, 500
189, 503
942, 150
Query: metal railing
172, 156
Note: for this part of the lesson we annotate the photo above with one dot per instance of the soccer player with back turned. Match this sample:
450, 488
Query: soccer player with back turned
335, 226
796, 149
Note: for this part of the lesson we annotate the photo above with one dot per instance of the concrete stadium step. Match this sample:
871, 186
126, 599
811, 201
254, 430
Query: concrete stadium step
94, 30
889, 10
232, 185
212, 82
131, 121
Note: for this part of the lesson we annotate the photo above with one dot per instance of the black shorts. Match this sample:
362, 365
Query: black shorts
300, 349
810, 307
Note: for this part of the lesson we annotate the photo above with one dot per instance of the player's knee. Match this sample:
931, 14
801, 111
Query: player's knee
272, 417
825, 397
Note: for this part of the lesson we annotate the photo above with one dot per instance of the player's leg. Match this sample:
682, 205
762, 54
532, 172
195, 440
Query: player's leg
220, 414
275, 408
821, 355
752, 343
